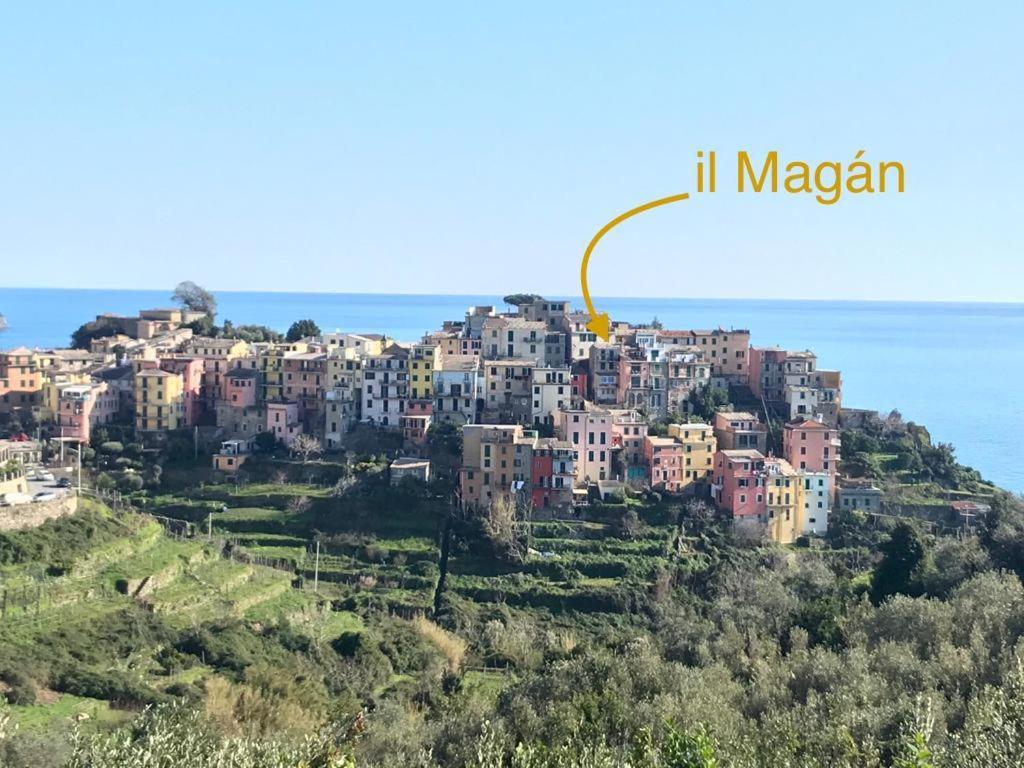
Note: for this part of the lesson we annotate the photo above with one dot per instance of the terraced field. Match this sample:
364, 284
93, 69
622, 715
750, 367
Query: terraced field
138, 578
386, 562
390, 561
571, 566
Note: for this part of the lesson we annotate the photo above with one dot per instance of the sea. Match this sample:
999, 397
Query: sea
956, 368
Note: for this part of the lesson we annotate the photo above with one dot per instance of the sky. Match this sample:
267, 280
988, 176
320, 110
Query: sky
477, 147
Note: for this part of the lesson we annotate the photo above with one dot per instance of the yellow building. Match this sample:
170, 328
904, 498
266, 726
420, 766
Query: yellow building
53, 383
159, 400
270, 363
423, 361
785, 501
343, 370
699, 448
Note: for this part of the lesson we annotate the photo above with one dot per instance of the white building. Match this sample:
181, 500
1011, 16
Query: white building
458, 389
551, 392
385, 386
817, 502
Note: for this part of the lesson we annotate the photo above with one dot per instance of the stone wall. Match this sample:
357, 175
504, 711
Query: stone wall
13, 483
34, 514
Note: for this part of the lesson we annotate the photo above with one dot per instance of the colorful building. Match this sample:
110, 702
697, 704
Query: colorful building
283, 421
552, 473
664, 456
232, 455
699, 448
270, 363
740, 430
304, 382
423, 361
784, 501
811, 446
589, 431
495, 463
159, 401
218, 356
191, 370
738, 485
642, 384
629, 435
82, 407
241, 387
21, 382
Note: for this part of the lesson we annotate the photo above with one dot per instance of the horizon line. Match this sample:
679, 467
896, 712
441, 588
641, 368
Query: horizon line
551, 296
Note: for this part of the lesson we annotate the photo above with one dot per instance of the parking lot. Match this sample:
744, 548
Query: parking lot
36, 485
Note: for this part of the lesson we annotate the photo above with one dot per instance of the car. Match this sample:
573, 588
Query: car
64, 482
46, 477
45, 496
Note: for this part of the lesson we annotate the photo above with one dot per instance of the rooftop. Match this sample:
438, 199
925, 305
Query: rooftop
409, 462
737, 415
744, 453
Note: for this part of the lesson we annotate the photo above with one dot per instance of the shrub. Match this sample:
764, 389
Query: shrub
21, 689
113, 686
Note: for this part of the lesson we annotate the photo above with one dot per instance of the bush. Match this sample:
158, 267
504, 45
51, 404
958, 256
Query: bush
21, 689
113, 686
130, 483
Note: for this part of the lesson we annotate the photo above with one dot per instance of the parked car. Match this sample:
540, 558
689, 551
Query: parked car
64, 482
14, 499
44, 476
45, 496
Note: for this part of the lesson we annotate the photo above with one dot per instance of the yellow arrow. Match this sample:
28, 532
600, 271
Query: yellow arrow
600, 323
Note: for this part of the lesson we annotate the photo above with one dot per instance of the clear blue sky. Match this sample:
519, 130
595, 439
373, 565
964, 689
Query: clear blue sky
472, 148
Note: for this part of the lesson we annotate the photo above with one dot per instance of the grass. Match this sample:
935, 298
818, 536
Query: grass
485, 684
97, 714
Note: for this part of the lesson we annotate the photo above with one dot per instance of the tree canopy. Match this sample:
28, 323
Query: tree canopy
194, 297
515, 299
300, 329
85, 333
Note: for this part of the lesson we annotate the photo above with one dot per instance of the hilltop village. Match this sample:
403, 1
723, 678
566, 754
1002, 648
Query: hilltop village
345, 549
549, 415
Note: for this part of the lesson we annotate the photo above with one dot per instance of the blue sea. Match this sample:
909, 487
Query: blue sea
956, 368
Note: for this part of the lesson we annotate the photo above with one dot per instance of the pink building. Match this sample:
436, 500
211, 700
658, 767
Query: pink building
283, 421
305, 382
241, 387
414, 427
666, 458
590, 433
419, 407
811, 446
739, 484
81, 407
